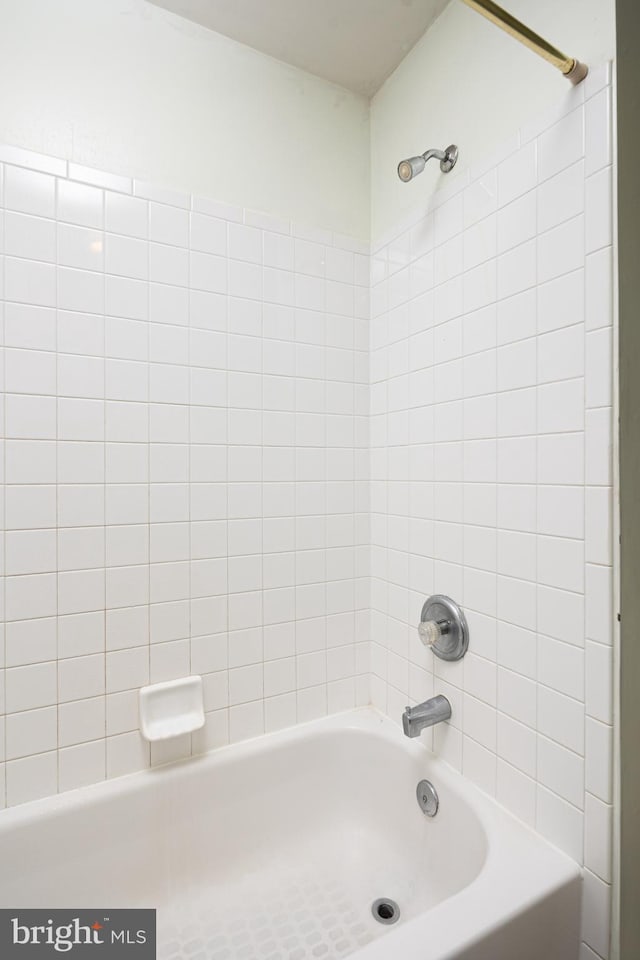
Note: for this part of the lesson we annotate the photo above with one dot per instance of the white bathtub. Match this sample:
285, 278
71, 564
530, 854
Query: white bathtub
275, 849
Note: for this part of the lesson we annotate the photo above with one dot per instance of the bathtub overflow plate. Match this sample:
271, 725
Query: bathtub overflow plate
427, 798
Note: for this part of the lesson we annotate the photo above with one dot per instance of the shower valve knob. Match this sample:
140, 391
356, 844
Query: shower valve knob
429, 631
443, 628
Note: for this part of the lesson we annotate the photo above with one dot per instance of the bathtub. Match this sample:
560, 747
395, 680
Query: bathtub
276, 848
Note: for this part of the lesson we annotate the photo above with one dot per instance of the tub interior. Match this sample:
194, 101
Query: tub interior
277, 851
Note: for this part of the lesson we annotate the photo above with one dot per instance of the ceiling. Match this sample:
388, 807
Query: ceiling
354, 43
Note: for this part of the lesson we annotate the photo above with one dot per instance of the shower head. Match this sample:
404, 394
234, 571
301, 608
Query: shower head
408, 169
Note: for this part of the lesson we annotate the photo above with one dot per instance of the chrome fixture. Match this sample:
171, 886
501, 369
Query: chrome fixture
408, 169
443, 627
416, 719
571, 68
427, 797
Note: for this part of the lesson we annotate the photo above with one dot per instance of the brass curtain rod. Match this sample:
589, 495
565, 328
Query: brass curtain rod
571, 68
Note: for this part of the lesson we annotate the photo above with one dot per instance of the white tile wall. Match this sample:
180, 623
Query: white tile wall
185, 413
491, 473
189, 489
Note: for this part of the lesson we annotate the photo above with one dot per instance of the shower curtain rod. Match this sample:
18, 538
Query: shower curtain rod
571, 68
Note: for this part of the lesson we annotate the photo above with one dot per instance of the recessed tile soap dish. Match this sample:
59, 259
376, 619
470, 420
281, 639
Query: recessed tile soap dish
170, 709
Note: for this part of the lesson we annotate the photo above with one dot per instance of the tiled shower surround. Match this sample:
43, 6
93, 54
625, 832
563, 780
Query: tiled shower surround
185, 463
194, 483
491, 426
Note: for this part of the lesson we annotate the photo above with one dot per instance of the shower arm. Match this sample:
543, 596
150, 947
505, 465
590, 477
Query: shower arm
571, 68
434, 154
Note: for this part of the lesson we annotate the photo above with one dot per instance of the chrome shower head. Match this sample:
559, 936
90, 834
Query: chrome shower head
408, 169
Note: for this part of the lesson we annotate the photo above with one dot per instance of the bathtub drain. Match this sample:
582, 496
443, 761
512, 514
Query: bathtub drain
385, 910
